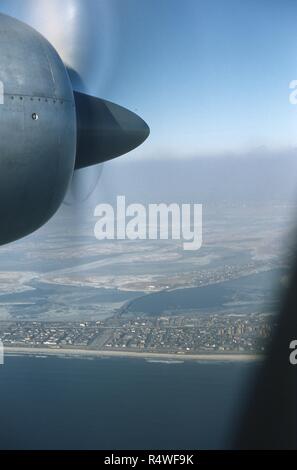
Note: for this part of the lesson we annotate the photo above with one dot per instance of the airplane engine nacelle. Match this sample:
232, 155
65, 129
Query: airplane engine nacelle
47, 130
37, 130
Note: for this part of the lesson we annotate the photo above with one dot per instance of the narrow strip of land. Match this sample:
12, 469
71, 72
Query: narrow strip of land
129, 354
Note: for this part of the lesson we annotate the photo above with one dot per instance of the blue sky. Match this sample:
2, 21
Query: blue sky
209, 77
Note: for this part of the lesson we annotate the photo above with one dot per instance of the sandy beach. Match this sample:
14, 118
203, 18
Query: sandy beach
129, 354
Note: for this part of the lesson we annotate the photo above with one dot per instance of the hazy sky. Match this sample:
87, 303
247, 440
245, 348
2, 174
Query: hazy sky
208, 76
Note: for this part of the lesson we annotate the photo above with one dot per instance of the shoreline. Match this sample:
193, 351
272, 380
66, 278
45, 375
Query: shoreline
11, 351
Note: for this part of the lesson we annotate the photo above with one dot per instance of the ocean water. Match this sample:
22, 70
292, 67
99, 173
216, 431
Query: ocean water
117, 404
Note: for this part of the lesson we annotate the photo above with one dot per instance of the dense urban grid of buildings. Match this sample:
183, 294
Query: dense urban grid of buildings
178, 334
